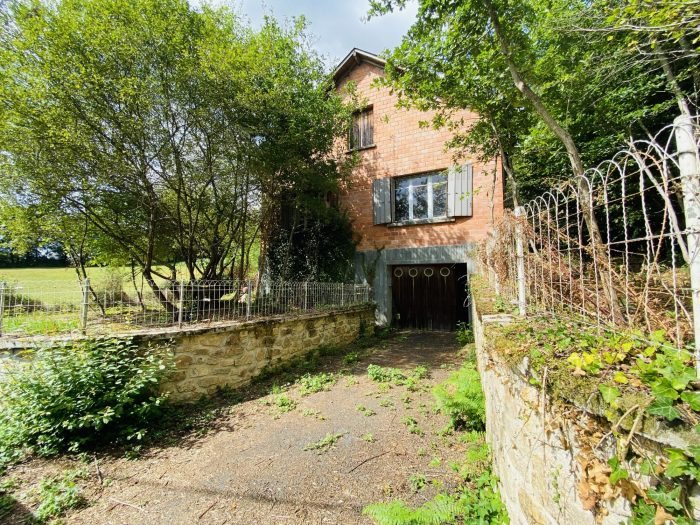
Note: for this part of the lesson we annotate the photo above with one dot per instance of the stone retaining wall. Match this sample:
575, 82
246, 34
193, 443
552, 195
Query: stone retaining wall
535, 444
230, 356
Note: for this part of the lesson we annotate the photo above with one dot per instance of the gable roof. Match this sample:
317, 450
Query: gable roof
355, 58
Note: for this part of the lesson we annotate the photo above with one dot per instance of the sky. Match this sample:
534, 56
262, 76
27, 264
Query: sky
337, 25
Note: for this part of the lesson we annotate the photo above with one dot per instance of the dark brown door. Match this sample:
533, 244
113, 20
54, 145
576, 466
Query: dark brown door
428, 297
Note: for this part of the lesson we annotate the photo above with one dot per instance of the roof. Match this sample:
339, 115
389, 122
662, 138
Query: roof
354, 58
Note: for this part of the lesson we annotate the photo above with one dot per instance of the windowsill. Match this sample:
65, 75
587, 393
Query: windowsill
420, 221
371, 146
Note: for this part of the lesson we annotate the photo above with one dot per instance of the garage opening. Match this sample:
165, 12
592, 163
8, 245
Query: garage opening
430, 296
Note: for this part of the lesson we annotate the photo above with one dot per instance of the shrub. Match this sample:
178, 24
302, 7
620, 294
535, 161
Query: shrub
81, 393
461, 398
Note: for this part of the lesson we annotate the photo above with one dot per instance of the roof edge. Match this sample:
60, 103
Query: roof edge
355, 57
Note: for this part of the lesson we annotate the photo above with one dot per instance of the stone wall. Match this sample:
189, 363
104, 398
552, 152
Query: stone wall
537, 453
211, 358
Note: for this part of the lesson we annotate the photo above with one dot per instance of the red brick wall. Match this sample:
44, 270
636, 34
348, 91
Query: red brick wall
404, 148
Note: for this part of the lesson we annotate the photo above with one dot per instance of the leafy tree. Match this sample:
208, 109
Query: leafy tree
170, 132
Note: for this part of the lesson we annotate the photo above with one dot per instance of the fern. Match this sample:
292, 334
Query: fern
461, 398
443, 509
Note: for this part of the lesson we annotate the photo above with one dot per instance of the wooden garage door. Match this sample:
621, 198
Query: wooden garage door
427, 297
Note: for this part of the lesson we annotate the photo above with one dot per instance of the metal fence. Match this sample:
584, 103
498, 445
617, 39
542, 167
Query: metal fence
619, 246
114, 305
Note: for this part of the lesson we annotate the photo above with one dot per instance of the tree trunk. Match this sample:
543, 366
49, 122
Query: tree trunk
598, 251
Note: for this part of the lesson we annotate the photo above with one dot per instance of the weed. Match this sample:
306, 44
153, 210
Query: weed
422, 452
435, 462
387, 403
311, 384
285, 404
382, 374
406, 399
7, 502
369, 438
412, 425
309, 412
366, 411
461, 398
417, 482
351, 358
465, 334
351, 381
57, 495
324, 444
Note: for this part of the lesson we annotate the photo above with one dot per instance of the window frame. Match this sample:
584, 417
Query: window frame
355, 115
430, 217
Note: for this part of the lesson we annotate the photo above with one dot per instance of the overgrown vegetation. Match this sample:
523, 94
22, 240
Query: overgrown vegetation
461, 399
477, 499
81, 394
634, 380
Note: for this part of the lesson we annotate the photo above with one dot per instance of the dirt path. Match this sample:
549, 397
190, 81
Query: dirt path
254, 470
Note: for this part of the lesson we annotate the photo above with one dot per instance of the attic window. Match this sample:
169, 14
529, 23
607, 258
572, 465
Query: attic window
362, 130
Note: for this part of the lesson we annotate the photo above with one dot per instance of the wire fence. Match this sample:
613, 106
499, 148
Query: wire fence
619, 246
52, 307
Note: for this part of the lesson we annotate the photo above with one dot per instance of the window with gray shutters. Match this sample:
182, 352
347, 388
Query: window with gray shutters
420, 197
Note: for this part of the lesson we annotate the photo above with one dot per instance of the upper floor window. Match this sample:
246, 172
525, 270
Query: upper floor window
420, 197
362, 129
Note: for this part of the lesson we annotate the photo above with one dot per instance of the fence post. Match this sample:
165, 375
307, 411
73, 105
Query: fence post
181, 306
342, 294
690, 180
520, 256
85, 305
249, 299
306, 295
2, 303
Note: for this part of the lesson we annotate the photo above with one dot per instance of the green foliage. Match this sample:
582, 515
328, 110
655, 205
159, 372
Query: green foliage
460, 397
465, 334
412, 425
57, 495
442, 509
324, 443
351, 358
310, 384
362, 409
382, 374
480, 504
191, 119
593, 73
387, 375
81, 393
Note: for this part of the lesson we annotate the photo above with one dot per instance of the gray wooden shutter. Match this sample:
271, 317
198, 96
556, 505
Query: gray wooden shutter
460, 191
381, 201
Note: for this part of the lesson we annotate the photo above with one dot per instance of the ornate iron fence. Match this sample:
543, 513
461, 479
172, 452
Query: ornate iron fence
619, 246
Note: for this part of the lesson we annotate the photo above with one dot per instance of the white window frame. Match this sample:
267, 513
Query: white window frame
429, 183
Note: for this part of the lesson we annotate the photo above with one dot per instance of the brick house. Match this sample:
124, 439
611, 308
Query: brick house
415, 213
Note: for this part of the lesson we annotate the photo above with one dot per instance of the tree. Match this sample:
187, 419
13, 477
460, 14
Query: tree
170, 131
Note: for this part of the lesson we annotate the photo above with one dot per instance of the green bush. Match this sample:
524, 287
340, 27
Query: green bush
460, 397
79, 394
